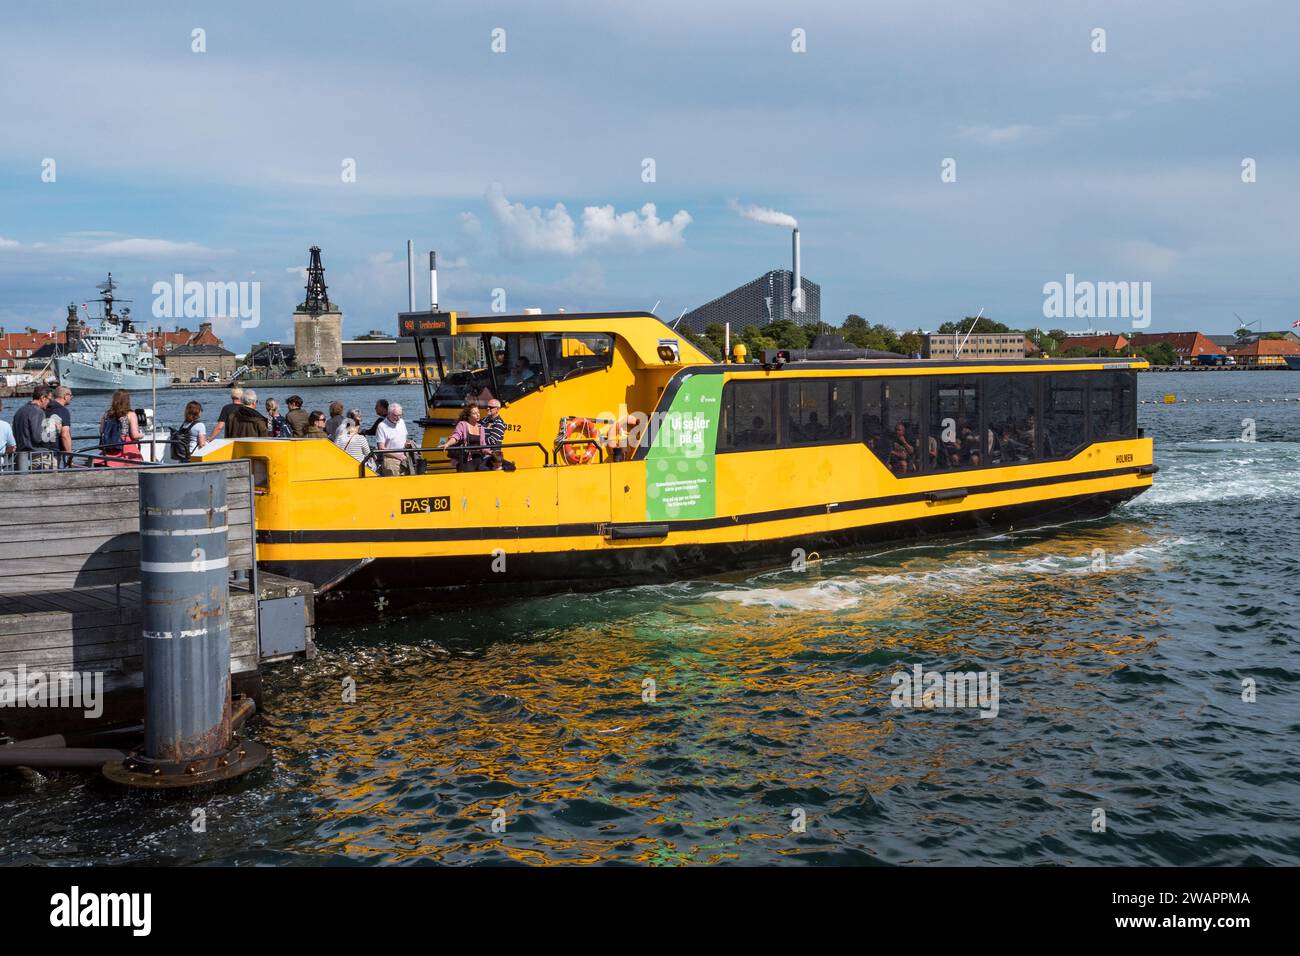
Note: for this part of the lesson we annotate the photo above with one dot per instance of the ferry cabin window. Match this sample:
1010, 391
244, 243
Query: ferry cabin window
818, 411
1064, 427
748, 422
900, 402
515, 367
1012, 426
569, 353
1111, 405
872, 420
954, 440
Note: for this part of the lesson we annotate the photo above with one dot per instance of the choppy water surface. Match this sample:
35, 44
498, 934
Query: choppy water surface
1121, 646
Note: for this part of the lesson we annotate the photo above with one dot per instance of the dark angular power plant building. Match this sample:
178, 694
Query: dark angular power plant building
769, 298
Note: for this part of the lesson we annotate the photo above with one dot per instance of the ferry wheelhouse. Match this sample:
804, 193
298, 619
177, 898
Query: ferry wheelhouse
730, 465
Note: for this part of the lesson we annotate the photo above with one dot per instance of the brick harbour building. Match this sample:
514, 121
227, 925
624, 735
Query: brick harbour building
1187, 346
1094, 344
1265, 352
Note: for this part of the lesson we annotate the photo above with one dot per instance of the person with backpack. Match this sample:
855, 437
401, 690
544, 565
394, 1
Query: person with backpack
191, 436
119, 432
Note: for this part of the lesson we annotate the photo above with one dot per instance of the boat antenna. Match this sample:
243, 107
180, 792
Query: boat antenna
678, 319
962, 344
655, 306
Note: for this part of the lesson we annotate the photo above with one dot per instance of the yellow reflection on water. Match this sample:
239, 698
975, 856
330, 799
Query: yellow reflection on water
777, 683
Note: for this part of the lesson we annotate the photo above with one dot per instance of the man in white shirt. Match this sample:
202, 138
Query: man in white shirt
7, 446
391, 434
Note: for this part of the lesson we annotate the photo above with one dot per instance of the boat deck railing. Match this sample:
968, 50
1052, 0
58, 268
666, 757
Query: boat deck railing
364, 467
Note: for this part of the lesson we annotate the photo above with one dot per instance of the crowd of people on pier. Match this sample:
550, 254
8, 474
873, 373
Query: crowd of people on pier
42, 432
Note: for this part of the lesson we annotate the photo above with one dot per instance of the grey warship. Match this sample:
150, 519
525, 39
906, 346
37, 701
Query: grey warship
109, 357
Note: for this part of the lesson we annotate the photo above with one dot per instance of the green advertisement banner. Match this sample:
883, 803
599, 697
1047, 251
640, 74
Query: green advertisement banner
679, 465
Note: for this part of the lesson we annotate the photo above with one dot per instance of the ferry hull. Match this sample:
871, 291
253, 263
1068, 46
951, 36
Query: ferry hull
351, 588
86, 378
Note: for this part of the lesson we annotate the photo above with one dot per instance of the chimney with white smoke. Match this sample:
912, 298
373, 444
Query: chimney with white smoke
796, 292
774, 217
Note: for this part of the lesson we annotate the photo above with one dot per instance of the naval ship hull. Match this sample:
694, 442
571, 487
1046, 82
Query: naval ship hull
320, 381
88, 378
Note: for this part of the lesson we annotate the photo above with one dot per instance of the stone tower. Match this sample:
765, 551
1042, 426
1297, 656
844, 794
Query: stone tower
318, 324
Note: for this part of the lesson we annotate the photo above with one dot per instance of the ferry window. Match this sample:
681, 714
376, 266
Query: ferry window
569, 353
818, 411
1111, 404
954, 425
523, 366
901, 403
1009, 400
871, 416
1063, 407
747, 419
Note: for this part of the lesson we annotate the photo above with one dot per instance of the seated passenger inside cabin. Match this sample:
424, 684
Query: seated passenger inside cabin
521, 373
759, 434
903, 458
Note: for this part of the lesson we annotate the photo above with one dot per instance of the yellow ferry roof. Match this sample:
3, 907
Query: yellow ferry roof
642, 331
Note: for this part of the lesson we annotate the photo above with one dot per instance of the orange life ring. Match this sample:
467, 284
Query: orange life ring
580, 452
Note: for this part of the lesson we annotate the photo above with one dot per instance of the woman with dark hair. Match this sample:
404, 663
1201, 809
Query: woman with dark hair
315, 426
191, 436
119, 431
467, 440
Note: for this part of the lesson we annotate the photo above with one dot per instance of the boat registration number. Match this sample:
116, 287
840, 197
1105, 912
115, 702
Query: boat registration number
424, 506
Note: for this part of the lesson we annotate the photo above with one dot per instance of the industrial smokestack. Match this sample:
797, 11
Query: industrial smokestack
410, 276
796, 292
433, 281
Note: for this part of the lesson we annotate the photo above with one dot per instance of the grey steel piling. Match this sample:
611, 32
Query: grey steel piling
185, 593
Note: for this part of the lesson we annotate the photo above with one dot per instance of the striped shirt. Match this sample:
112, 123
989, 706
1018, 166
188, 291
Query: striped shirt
494, 432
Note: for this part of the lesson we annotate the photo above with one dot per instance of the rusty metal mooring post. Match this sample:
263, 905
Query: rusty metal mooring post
184, 597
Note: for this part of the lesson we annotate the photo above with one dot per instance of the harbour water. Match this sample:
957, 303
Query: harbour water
1121, 647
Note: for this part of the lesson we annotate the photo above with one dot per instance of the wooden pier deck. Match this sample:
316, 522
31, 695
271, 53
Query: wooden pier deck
70, 589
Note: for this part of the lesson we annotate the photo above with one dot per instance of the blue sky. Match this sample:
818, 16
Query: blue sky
226, 165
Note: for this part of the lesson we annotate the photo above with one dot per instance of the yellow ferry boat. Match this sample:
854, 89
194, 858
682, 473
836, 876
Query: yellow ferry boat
728, 465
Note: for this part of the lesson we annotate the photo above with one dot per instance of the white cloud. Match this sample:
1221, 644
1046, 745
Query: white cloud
8, 243
151, 248
533, 230
530, 229
997, 135
124, 247
601, 226
762, 214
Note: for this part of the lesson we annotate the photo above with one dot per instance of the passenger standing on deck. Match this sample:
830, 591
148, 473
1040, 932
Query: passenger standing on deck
29, 425
275, 422
119, 431
315, 426
465, 447
494, 426
247, 421
59, 420
295, 416
227, 410
353, 442
7, 446
191, 436
390, 434
336, 420
381, 409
